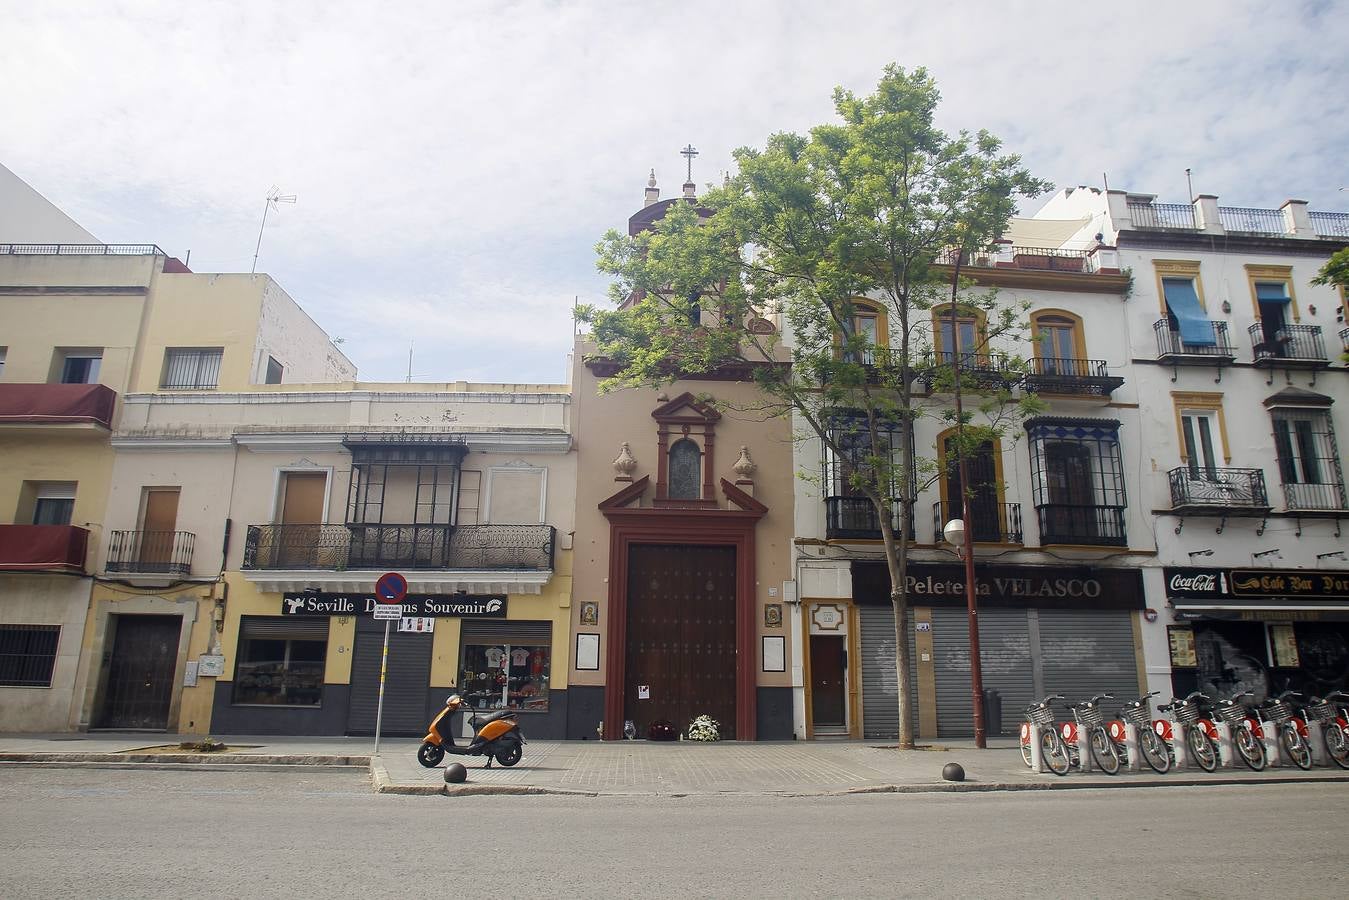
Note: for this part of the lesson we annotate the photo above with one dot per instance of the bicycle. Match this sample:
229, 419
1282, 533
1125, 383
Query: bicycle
1151, 747
1330, 713
1053, 750
1188, 714
1246, 731
1280, 713
1087, 715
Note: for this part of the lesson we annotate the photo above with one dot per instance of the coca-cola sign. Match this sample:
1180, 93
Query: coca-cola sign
1216, 584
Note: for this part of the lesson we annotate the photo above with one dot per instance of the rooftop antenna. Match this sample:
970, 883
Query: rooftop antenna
1189, 184
411, 344
274, 196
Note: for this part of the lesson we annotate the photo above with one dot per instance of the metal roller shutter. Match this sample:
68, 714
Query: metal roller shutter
506, 631
1005, 651
880, 689
406, 684
1089, 652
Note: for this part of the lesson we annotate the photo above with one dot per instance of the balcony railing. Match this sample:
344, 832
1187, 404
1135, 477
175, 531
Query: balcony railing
1252, 221
994, 523
854, 518
151, 552
1170, 344
1064, 523
1308, 497
1045, 259
43, 548
56, 404
1088, 377
1162, 215
80, 250
1291, 343
360, 546
1228, 491
1330, 224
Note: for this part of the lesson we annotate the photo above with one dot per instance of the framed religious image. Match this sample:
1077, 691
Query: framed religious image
587, 652
590, 612
774, 654
772, 615
1182, 646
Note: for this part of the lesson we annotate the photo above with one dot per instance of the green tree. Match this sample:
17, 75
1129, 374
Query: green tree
1336, 272
823, 233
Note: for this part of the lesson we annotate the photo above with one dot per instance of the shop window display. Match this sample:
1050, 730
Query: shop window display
505, 676
280, 666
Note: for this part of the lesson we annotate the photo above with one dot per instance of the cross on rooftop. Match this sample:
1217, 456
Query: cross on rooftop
688, 153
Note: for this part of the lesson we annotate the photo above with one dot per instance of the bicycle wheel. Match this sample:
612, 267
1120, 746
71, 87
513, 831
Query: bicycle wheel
1337, 745
1154, 752
1025, 753
1103, 751
1297, 748
1201, 748
1250, 748
1054, 751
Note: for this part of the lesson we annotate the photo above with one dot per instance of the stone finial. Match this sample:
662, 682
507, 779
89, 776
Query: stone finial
625, 463
652, 192
744, 467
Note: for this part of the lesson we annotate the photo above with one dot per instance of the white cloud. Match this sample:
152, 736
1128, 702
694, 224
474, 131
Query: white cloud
455, 163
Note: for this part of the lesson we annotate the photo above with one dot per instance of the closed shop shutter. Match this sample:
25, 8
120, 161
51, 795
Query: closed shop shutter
406, 683
1004, 641
1089, 652
506, 631
880, 688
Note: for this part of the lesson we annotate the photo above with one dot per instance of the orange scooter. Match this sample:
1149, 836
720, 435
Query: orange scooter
496, 737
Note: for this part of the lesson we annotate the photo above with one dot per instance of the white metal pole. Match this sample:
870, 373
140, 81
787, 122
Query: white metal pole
383, 667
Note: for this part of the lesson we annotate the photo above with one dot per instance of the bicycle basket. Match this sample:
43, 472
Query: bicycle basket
1185, 711
1321, 712
1137, 714
1278, 711
1090, 715
1041, 715
1231, 713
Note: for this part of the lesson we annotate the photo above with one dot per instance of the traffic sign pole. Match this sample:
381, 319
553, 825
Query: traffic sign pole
383, 668
390, 589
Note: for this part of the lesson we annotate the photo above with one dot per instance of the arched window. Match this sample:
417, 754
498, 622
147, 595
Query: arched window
1058, 343
970, 328
685, 470
867, 328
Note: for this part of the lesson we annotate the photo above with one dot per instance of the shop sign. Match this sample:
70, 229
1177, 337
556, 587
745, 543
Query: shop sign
466, 606
1063, 587
1227, 584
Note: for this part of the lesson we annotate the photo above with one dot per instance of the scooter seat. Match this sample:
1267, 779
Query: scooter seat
502, 714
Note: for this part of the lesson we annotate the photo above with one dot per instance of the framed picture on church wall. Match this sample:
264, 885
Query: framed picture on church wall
590, 612
772, 615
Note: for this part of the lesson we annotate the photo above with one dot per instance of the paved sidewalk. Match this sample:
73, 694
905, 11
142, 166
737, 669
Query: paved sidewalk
628, 768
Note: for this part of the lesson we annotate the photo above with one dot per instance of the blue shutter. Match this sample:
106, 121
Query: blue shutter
1195, 327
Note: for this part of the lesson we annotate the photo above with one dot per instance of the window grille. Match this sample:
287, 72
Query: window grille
28, 654
1077, 474
192, 369
1309, 459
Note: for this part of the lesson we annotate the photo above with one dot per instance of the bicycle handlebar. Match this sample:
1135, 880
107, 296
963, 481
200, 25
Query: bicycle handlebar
1286, 694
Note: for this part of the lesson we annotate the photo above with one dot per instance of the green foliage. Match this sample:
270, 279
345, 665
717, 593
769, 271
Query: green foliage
1335, 271
862, 214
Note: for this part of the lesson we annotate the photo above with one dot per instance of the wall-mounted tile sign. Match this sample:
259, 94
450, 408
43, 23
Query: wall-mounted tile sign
774, 653
587, 652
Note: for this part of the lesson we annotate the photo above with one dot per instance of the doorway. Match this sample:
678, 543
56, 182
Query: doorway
140, 670
828, 683
158, 523
985, 510
302, 502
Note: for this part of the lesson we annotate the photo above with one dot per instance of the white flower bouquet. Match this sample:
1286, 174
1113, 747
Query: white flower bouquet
704, 728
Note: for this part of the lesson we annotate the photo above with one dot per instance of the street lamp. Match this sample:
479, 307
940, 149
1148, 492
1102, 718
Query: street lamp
954, 532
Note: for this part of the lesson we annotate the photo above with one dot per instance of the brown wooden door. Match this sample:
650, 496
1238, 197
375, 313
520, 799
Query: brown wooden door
302, 499
157, 529
140, 669
681, 636
828, 662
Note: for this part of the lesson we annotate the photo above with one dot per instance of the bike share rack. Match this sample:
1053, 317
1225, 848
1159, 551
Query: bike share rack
1118, 728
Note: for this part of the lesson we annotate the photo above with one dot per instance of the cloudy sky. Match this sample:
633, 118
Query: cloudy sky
456, 162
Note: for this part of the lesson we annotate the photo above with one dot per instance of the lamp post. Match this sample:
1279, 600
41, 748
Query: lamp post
960, 536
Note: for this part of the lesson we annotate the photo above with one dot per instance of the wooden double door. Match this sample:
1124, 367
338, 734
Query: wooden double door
681, 651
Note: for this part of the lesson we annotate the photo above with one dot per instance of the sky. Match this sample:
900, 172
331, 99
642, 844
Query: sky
454, 164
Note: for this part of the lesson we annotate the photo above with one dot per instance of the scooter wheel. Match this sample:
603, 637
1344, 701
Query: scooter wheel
429, 755
509, 754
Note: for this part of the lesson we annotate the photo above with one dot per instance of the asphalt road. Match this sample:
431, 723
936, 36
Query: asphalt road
100, 833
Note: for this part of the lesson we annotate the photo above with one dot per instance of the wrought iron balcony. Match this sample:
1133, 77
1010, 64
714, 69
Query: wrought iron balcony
1227, 492
1066, 523
150, 552
1292, 345
1085, 377
989, 371
361, 546
1328, 497
854, 518
43, 548
1172, 348
994, 523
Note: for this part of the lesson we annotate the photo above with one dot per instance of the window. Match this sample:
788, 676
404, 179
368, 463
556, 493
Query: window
1272, 294
506, 664
968, 328
79, 366
53, 503
3, 352
685, 470
1203, 432
274, 371
192, 368
1058, 343
848, 465
280, 661
1309, 459
986, 509
864, 330
1078, 477
28, 654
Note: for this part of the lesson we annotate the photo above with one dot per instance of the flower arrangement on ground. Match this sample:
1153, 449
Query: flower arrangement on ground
704, 728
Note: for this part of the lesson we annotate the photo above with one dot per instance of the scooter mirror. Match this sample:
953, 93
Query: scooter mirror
453, 700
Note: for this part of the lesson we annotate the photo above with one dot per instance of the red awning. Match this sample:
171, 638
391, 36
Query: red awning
57, 404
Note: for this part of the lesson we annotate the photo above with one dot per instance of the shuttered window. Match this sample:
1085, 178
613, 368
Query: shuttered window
281, 661
28, 654
195, 368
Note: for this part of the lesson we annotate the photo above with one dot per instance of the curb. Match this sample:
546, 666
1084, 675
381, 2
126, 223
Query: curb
182, 759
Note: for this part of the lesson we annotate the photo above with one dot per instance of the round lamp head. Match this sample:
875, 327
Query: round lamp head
954, 532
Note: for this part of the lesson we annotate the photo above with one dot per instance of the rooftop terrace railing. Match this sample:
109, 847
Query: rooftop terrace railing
1162, 215
81, 250
1254, 221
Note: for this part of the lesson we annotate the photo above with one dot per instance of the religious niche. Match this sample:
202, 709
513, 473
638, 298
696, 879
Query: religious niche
686, 446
